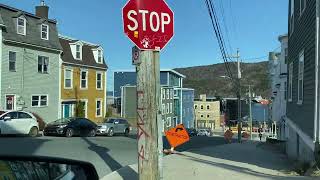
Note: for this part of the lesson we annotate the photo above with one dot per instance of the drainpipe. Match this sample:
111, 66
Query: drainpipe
316, 111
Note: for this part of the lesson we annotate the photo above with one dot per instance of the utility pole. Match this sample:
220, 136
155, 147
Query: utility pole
149, 116
239, 96
250, 111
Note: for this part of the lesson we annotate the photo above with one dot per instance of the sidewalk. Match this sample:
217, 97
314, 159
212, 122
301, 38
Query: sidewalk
249, 161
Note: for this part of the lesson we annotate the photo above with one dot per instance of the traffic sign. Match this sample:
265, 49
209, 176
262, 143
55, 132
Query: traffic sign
149, 24
177, 135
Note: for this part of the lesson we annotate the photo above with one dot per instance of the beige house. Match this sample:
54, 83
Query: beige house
207, 112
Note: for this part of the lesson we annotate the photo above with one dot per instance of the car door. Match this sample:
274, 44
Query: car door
86, 126
116, 125
8, 126
24, 123
122, 125
75, 126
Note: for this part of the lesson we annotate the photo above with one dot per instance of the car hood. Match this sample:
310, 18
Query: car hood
56, 124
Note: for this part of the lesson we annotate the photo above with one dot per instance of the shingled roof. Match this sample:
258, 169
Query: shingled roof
8, 16
87, 54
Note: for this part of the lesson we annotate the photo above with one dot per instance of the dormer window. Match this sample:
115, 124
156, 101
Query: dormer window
44, 31
21, 25
99, 56
78, 51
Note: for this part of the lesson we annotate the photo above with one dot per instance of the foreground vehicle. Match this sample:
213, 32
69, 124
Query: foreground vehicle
203, 132
71, 127
114, 126
18, 122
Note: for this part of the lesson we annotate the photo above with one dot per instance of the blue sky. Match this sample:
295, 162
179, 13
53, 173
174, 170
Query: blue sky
253, 26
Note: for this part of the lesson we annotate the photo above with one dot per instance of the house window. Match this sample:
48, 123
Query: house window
168, 106
163, 109
44, 32
201, 115
291, 16
202, 107
208, 107
303, 4
168, 93
163, 91
175, 92
98, 108
12, 61
68, 78
78, 51
195, 106
208, 116
43, 63
290, 82
21, 25
83, 79
99, 80
171, 107
168, 121
39, 100
99, 56
300, 77
171, 93
285, 90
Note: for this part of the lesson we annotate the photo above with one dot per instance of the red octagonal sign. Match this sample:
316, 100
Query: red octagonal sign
148, 23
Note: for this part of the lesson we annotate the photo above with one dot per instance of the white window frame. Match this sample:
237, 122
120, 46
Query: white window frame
290, 82
168, 93
304, 8
171, 93
80, 52
207, 107
42, 65
168, 120
47, 32
291, 17
86, 71
101, 80
100, 56
163, 109
15, 61
167, 108
99, 99
300, 77
71, 77
39, 101
171, 107
24, 26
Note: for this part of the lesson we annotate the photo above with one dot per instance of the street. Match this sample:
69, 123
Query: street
106, 153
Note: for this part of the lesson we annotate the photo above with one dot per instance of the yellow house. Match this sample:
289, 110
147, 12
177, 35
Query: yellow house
82, 80
207, 113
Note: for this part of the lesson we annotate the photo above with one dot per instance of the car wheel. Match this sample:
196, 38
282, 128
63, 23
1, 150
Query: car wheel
110, 132
69, 132
33, 132
126, 132
92, 133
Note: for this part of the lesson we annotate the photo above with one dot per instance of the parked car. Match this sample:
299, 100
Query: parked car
114, 126
71, 127
192, 132
204, 132
18, 122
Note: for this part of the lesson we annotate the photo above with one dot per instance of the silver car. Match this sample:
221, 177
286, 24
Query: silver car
114, 126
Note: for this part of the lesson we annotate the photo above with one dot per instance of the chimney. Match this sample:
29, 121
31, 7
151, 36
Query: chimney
42, 10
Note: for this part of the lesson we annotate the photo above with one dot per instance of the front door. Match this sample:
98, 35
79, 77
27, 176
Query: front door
10, 102
66, 109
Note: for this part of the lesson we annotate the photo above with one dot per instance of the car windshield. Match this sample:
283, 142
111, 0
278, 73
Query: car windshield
62, 121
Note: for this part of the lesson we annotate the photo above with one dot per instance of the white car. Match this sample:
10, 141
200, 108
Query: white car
203, 132
18, 122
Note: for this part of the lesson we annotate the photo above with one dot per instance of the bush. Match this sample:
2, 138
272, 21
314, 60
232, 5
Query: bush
40, 121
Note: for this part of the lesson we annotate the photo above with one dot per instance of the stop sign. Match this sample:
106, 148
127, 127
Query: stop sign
148, 23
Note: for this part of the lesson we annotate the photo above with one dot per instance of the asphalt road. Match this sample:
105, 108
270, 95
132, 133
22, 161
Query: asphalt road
107, 154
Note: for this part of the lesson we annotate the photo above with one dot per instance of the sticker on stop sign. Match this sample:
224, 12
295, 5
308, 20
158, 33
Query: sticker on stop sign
148, 24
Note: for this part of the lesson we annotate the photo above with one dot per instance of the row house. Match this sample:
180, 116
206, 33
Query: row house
207, 112
174, 102
83, 79
30, 52
302, 116
278, 81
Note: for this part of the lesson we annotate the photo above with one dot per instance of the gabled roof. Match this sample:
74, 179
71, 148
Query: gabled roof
8, 17
87, 54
